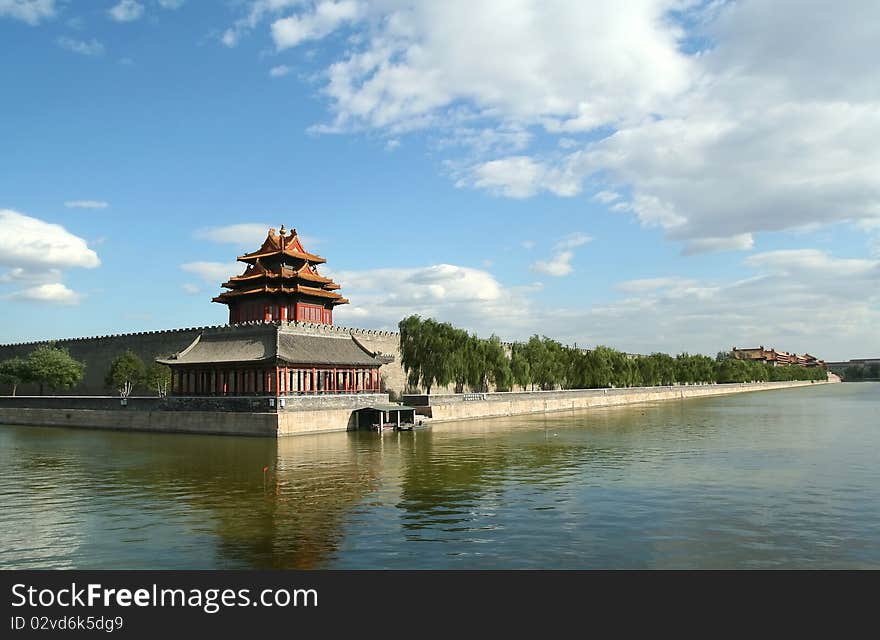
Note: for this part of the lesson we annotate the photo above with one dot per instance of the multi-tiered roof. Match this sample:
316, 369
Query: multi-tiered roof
283, 274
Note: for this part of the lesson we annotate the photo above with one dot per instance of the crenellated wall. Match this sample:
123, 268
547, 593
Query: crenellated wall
99, 351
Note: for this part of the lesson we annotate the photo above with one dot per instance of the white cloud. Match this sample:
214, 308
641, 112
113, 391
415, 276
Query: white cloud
574, 240
214, 273
814, 262
30, 242
126, 11
560, 263
53, 293
740, 242
650, 285
790, 300
230, 37
20, 274
91, 48
322, 20
190, 288
258, 10
606, 197
171, 4
86, 204
483, 141
519, 177
473, 298
787, 299
769, 128
248, 234
30, 11
279, 71
804, 300
584, 64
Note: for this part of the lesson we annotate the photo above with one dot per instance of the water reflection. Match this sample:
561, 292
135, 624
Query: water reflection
765, 480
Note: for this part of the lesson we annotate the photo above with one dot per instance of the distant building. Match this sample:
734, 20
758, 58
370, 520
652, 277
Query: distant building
842, 366
776, 358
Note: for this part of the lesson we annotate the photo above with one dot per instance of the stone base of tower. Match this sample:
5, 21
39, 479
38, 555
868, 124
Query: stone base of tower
200, 415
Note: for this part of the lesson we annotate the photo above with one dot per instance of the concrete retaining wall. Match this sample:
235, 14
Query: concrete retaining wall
309, 414
240, 424
105, 403
442, 408
301, 414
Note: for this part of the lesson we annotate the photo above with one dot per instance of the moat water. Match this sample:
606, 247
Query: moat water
779, 479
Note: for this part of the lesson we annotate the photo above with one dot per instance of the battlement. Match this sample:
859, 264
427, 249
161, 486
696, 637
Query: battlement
316, 327
111, 336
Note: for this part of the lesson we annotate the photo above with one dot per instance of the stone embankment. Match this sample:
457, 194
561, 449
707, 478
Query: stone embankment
245, 416
274, 417
448, 407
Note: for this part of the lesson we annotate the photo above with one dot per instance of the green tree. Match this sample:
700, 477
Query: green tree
14, 372
519, 367
426, 348
126, 372
498, 364
158, 379
53, 367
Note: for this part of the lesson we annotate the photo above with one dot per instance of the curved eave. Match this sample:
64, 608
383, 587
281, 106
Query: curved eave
205, 363
333, 298
292, 275
293, 253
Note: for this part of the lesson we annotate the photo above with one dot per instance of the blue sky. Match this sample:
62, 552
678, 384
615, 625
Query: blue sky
652, 175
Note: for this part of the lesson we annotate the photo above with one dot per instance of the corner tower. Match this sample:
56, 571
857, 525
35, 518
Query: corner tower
281, 283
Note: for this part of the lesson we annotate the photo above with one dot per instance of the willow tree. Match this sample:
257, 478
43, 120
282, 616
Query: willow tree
498, 364
519, 367
425, 346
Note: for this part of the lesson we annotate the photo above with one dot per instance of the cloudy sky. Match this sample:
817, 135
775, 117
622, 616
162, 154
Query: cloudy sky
651, 174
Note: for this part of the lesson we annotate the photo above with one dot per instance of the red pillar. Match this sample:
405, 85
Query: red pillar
315, 379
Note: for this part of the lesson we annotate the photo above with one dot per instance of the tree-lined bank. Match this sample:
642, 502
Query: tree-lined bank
437, 354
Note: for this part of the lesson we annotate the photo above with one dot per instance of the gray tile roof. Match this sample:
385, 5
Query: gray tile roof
265, 343
305, 349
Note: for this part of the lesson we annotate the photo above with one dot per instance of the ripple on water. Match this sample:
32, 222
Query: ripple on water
738, 482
